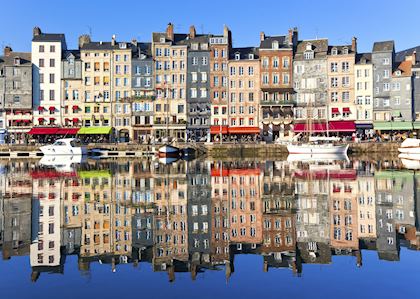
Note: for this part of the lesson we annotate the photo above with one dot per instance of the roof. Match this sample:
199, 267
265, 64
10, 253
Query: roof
49, 37
340, 49
405, 68
105, 46
179, 38
244, 53
400, 56
385, 46
281, 39
319, 46
25, 58
364, 58
76, 54
143, 48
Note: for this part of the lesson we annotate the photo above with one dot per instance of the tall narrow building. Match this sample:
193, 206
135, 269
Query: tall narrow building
47, 51
276, 56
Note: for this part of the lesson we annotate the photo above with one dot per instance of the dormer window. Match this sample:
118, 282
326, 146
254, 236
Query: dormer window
275, 45
345, 50
122, 45
309, 55
194, 46
204, 46
308, 47
334, 51
398, 73
237, 56
162, 39
16, 61
251, 56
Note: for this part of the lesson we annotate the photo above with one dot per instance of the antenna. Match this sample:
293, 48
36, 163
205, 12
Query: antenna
90, 31
202, 28
316, 33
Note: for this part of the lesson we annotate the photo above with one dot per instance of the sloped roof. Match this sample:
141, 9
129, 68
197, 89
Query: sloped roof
319, 46
340, 49
268, 41
76, 54
364, 58
405, 68
49, 37
400, 56
25, 58
105, 46
244, 52
385, 46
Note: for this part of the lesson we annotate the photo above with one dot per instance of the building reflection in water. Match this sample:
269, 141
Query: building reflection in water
197, 216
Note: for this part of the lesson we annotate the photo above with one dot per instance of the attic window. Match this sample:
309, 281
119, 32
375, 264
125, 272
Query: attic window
345, 50
123, 45
162, 39
309, 55
398, 73
17, 61
308, 47
275, 45
194, 46
204, 46
251, 56
237, 56
334, 51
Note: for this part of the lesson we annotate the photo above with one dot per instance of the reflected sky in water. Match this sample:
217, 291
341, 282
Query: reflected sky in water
337, 228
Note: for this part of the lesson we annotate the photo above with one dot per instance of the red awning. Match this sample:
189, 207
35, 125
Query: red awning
40, 108
67, 119
219, 172
244, 130
47, 174
52, 108
67, 131
75, 107
41, 119
18, 120
342, 126
218, 129
43, 131
52, 118
346, 110
27, 120
75, 120
335, 111
316, 128
344, 174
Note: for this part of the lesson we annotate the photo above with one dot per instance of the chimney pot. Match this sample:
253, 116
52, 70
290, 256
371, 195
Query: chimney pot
262, 36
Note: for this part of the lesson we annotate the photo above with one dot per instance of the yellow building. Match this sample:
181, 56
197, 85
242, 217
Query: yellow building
363, 91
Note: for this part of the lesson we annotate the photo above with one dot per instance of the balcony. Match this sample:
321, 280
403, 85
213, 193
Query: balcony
277, 102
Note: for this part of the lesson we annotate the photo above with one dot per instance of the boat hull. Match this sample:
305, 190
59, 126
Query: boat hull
50, 150
409, 150
318, 149
168, 151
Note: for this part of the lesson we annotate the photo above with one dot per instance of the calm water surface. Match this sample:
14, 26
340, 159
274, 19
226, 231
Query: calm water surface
336, 228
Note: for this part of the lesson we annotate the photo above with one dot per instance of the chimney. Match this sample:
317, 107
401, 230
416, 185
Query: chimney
7, 51
293, 36
113, 42
354, 44
262, 36
84, 39
227, 34
134, 42
36, 31
192, 32
414, 57
170, 32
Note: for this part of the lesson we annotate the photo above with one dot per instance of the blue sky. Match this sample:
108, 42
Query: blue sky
369, 20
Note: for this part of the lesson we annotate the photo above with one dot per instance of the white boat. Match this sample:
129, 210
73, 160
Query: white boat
323, 148
65, 146
168, 151
410, 146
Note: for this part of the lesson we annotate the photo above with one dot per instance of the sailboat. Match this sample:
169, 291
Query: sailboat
167, 150
317, 145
